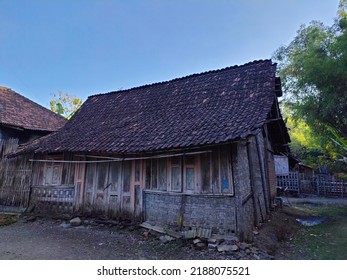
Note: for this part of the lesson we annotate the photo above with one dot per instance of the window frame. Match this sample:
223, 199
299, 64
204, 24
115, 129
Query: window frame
172, 165
195, 167
195, 162
51, 163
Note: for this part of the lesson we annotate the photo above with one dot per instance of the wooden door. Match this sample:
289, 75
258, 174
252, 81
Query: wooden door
113, 188
89, 187
137, 187
126, 207
95, 184
131, 197
100, 198
79, 184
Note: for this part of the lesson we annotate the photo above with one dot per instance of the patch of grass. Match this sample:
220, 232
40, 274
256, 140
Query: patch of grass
6, 220
326, 241
331, 211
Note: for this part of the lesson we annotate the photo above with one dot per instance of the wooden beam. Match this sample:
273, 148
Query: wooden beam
161, 230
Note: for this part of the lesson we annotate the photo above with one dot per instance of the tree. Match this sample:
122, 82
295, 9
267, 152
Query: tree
313, 70
313, 149
65, 104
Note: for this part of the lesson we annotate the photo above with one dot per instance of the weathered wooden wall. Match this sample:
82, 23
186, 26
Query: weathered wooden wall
224, 188
207, 172
107, 188
53, 189
7, 147
90, 185
15, 176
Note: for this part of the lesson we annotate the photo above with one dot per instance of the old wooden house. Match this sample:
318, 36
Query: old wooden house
21, 121
193, 152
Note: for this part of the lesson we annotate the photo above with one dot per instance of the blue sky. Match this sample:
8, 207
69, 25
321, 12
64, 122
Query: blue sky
85, 47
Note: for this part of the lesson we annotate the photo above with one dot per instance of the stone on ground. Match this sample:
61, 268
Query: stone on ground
75, 222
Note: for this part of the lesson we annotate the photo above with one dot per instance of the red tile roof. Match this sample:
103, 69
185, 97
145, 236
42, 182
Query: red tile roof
202, 109
17, 110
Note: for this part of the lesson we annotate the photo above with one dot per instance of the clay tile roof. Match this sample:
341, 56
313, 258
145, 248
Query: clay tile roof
17, 110
202, 109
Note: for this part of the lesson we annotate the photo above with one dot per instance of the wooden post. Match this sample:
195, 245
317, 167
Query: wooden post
256, 204
263, 178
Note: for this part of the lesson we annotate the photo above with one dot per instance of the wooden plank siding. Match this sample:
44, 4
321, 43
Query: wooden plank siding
270, 173
209, 172
115, 188
162, 188
53, 184
15, 176
165, 189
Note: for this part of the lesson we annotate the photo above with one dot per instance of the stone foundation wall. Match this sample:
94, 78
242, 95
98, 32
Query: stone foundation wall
247, 221
216, 212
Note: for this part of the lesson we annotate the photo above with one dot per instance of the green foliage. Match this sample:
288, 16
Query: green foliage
305, 145
313, 69
316, 150
65, 104
342, 10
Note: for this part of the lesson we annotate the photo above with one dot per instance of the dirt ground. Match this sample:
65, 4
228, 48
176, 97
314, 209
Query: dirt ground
37, 238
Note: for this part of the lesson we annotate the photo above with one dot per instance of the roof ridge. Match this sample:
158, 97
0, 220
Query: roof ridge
185, 77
